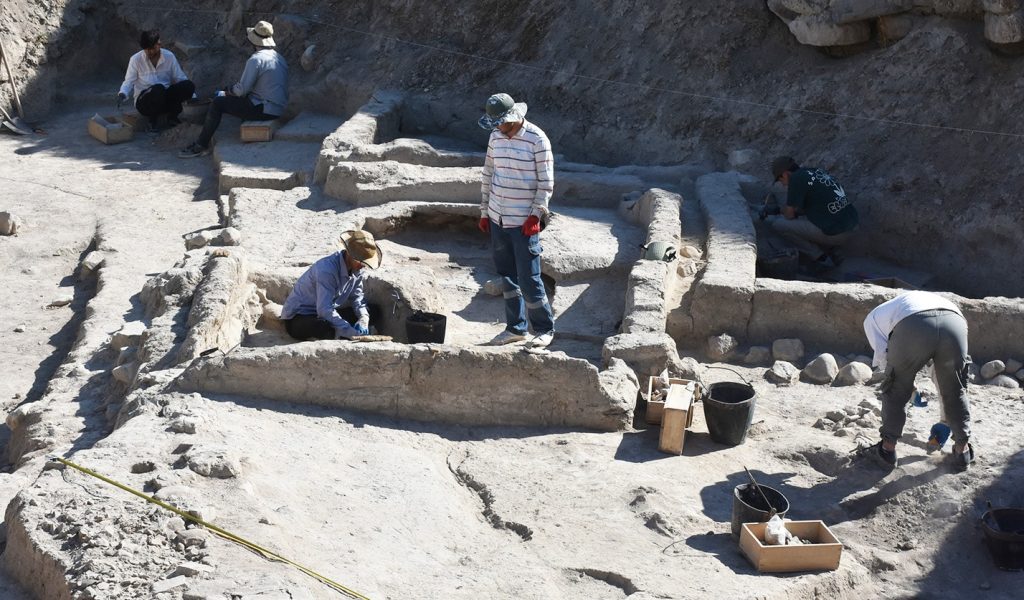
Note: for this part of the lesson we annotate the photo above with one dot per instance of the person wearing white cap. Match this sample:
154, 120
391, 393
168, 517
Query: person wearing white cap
261, 94
327, 301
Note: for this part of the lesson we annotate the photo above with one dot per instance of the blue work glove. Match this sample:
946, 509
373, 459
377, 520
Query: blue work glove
360, 329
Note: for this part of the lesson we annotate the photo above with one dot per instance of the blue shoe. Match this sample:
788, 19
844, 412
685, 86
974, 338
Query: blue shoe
938, 437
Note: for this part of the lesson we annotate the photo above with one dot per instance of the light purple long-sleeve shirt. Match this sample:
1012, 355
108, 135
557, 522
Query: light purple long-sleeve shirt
325, 286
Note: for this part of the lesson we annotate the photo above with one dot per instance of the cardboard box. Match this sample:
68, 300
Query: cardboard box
822, 555
655, 409
259, 131
110, 129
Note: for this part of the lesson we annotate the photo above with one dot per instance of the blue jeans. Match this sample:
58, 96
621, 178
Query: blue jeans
517, 259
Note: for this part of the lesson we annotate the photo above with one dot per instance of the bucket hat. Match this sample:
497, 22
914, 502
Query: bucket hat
501, 108
262, 35
362, 247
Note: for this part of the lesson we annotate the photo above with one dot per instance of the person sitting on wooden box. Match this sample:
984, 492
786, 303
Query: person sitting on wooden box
260, 95
157, 81
327, 301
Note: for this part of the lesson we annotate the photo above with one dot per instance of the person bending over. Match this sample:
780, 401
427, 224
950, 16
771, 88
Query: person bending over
327, 301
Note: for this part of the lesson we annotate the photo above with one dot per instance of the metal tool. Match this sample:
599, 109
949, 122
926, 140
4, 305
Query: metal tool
771, 509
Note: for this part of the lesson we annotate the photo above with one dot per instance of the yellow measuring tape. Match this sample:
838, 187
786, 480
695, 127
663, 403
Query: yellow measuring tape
268, 554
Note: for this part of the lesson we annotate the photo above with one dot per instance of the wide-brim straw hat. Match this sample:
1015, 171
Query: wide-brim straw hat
262, 35
361, 246
500, 108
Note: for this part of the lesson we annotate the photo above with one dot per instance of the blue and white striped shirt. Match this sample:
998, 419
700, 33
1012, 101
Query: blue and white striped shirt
518, 176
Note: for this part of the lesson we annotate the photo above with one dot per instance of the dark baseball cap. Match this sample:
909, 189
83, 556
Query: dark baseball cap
782, 164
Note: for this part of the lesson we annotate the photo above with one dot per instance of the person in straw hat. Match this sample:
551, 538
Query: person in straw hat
518, 179
260, 95
327, 301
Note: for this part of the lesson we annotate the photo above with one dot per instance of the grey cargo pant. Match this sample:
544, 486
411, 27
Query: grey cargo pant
939, 335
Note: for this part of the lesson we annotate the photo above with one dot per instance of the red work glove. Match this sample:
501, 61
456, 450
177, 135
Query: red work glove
531, 226
484, 225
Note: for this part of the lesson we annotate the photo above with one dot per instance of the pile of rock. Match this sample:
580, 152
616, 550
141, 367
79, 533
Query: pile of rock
1007, 374
832, 369
850, 420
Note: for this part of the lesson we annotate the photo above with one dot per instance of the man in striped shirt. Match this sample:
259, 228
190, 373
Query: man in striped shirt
518, 178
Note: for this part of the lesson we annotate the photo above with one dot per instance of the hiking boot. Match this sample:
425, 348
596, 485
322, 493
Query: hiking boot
542, 340
193, 150
962, 460
506, 337
880, 456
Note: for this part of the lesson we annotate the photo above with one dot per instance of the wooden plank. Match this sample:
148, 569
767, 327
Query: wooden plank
259, 131
678, 405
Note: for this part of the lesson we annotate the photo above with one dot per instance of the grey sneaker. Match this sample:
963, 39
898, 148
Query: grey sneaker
542, 340
194, 150
506, 337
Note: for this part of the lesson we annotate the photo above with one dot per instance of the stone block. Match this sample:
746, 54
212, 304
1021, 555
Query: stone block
818, 30
427, 383
782, 373
129, 335
721, 347
1004, 28
1000, 7
855, 373
758, 355
822, 369
992, 368
788, 349
9, 224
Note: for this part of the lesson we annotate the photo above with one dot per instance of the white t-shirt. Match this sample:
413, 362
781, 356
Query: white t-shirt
142, 74
883, 319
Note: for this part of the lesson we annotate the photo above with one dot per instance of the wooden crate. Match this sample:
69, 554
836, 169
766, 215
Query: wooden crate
110, 129
655, 409
259, 131
822, 555
677, 415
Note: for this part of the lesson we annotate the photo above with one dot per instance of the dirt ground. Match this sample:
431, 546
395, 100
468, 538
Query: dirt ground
398, 509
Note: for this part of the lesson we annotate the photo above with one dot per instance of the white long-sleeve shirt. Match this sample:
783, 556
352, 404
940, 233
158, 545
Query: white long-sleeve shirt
883, 319
142, 74
518, 176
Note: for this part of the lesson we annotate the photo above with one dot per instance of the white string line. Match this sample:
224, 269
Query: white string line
639, 86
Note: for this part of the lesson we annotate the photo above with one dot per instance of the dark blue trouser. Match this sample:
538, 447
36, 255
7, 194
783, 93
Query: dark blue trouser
232, 105
517, 258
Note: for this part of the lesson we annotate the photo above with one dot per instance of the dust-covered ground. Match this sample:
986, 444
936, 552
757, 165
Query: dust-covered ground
411, 510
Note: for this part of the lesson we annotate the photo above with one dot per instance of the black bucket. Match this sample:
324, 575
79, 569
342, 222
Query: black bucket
425, 327
1004, 536
748, 505
728, 410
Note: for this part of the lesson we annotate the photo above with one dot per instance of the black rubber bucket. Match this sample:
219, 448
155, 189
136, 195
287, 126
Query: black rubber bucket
728, 410
1004, 536
748, 505
425, 327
